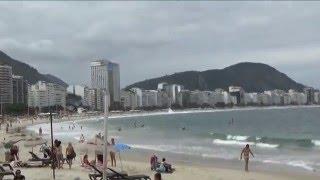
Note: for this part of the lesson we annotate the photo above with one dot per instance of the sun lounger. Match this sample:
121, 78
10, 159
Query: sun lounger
6, 170
114, 175
37, 161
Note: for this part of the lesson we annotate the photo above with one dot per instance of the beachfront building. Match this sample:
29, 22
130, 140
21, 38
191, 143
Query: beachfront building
238, 93
80, 90
43, 94
297, 98
6, 92
275, 97
250, 98
286, 99
309, 92
114, 84
138, 93
19, 90
163, 99
317, 97
172, 91
129, 100
149, 98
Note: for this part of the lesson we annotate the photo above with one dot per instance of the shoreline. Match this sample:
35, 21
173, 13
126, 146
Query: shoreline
187, 167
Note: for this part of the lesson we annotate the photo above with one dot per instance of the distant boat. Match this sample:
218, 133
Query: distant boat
170, 110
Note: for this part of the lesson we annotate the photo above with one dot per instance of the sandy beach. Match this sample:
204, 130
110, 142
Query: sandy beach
138, 164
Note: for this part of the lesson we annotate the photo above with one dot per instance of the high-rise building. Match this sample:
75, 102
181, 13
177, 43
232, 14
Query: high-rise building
105, 77
114, 84
43, 94
20, 90
99, 74
6, 94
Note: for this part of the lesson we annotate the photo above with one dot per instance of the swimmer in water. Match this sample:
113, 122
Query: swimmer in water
119, 129
184, 128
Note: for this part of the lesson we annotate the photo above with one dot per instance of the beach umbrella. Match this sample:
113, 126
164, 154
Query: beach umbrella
120, 148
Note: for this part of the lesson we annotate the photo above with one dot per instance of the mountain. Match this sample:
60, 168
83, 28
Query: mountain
29, 73
253, 77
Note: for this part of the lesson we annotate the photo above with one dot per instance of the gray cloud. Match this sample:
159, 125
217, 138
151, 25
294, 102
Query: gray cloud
150, 39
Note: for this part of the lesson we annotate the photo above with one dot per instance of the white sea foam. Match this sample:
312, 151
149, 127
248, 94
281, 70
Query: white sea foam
316, 142
243, 143
265, 145
237, 138
301, 164
231, 142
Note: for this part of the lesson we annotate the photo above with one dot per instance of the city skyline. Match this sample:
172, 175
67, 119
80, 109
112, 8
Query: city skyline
212, 36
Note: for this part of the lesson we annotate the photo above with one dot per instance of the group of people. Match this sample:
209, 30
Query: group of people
111, 150
161, 167
58, 154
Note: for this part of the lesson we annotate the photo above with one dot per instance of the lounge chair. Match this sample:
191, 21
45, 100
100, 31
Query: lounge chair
114, 175
6, 170
40, 161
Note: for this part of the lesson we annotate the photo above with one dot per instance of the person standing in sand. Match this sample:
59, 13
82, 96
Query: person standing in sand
70, 154
113, 153
246, 154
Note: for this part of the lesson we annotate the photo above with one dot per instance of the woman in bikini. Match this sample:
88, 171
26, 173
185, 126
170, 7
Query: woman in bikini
246, 154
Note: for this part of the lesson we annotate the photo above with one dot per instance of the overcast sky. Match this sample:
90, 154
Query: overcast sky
150, 39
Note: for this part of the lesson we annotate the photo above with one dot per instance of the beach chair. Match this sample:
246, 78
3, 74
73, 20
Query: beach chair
114, 175
97, 175
6, 170
37, 161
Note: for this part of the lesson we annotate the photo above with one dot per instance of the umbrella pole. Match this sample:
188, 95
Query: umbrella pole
105, 139
52, 160
120, 162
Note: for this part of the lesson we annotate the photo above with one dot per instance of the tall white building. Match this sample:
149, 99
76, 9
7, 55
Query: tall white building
99, 74
105, 77
6, 93
43, 94
20, 90
149, 98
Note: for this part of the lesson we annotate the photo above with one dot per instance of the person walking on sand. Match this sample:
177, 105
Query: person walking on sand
246, 154
70, 154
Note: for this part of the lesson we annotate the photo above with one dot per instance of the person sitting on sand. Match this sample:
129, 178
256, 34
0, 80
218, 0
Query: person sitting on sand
157, 176
19, 176
85, 161
164, 166
246, 154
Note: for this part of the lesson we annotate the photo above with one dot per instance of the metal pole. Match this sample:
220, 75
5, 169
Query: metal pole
52, 159
105, 139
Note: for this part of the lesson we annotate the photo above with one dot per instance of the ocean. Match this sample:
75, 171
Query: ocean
288, 136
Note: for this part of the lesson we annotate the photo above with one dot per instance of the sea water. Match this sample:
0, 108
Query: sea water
288, 136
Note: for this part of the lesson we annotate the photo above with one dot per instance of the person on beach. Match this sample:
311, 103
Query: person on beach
7, 128
113, 153
59, 155
40, 131
19, 176
153, 162
14, 151
85, 161
157, 176
70, 154
82, 139
246, 154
